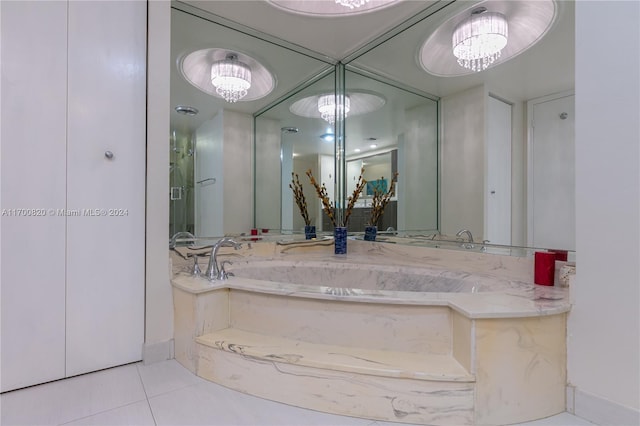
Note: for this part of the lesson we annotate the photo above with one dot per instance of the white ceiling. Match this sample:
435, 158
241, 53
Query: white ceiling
546, 68
335, 36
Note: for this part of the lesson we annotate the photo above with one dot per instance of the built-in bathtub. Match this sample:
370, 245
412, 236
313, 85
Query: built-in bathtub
374, 277
404, 340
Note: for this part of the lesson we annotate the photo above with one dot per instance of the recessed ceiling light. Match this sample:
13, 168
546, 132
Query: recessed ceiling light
373, 145
328, 137
356, 150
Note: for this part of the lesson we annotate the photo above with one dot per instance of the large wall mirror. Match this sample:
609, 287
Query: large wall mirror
389, 129
211, 140
499, 176
463, 146
291, 138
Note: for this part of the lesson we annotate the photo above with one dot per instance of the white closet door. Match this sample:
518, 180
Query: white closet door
105, 243
498, 191
552, 173
33, 152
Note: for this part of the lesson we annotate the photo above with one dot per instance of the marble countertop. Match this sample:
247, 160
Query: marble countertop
523, 299
537, 301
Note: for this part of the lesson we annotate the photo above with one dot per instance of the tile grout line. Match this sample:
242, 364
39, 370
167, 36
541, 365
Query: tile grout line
200, 382
144, 389
100, 412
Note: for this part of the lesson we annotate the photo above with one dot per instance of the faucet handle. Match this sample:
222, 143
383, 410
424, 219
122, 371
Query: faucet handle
224, 274
196, 268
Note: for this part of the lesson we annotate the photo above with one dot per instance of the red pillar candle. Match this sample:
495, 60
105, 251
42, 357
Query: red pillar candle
544, 267
561, 255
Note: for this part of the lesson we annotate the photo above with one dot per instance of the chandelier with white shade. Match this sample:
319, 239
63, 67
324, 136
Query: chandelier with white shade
478, 40
328, 109
351, 4
231, 78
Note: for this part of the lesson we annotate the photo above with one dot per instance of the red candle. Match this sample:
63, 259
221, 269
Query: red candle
560, 254
254, 231
544, 267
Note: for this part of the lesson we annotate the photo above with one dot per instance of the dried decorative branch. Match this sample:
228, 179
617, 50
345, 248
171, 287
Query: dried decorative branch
354, 197
301, 201
327, 206
381, 199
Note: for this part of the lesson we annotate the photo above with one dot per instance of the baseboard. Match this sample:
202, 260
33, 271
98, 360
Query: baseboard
599, 410
156, 352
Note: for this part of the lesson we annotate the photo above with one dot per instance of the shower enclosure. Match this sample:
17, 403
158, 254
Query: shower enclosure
181, 215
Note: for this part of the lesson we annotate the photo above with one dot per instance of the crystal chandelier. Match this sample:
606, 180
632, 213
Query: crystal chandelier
478, 40
231, 78
328, 109
352, 3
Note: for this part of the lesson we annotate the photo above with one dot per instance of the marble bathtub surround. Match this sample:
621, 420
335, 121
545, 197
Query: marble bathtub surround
392, 333
564, 275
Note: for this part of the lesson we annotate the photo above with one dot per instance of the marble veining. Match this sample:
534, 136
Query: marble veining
380, 398
435, 367
531, 301
387, 332
374, 277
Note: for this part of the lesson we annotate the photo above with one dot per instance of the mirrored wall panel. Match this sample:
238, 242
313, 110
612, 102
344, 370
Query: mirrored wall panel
392, 131
211, 135
291, 139
506, 143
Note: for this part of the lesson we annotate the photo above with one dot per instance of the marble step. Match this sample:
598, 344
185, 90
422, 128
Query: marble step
384, 363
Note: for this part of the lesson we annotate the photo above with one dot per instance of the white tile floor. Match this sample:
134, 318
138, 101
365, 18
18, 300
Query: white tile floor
167, 394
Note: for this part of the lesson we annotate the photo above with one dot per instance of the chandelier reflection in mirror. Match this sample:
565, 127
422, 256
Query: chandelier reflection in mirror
229, 75
328, 109
231, 78
351, 4
323, 105
478, 40
329, 8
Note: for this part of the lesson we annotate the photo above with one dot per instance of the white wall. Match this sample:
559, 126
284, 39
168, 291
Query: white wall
209, 164
268, 177
518, 174
238, 172
159, 303
418, 208
224, 152
604, 323
353, 172
287, 166
326, 174
463, 162
300, 166
373, 172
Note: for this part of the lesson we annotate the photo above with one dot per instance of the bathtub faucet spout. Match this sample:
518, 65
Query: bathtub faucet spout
461, 232
214, 271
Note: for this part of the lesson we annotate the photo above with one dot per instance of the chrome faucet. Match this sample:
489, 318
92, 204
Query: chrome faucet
174, 240
469, 236
214, 271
